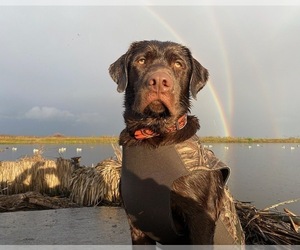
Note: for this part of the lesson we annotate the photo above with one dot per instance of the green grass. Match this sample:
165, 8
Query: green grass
61, 139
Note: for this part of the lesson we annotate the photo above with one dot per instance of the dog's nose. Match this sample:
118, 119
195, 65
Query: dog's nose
160, 82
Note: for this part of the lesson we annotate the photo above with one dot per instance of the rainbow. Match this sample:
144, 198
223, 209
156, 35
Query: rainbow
217, 99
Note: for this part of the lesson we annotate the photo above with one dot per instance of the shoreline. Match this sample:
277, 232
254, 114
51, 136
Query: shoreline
16, 139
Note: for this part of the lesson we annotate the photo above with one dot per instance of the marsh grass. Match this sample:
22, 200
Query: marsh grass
212, 139
12, 139
35, 173
61, 139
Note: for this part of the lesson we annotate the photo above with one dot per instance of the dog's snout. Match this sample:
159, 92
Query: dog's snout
160, 82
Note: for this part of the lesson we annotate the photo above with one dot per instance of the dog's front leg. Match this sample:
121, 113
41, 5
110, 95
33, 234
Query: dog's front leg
138, 237
197, 198
201, 227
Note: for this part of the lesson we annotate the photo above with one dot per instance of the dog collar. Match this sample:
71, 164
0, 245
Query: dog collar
146, 133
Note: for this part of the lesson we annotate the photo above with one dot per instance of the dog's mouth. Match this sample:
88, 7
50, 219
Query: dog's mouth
157, 108
156, 104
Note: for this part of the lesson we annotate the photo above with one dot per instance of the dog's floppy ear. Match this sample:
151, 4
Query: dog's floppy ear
118, 72
198, 79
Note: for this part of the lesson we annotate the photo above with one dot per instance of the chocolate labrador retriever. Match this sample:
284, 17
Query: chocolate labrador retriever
173, 189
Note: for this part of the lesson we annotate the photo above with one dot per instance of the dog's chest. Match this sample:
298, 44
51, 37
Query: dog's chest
146, 181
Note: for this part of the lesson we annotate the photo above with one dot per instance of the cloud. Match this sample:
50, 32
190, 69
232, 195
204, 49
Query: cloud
48, 113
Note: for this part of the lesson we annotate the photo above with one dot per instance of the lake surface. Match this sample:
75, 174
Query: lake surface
264, 174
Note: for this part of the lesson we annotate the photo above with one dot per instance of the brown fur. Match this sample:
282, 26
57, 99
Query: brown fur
159, 79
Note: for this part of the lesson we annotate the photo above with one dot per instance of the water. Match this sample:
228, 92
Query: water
90, 154
264, 174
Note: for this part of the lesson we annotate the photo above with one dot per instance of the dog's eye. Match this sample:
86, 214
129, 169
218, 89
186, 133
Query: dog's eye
178, 64
142, 60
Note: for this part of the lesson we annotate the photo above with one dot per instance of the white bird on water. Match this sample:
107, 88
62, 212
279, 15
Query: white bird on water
35, 151
61, 150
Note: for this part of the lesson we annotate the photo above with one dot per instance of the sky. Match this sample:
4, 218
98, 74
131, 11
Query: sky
54, 61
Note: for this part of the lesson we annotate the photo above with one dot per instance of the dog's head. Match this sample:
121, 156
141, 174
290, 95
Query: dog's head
158, 78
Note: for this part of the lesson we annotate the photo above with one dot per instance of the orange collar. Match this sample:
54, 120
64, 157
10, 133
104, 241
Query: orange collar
146, 133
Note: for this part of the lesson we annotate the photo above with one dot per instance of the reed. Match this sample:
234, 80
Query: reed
34, 173
268, 226
91, 186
